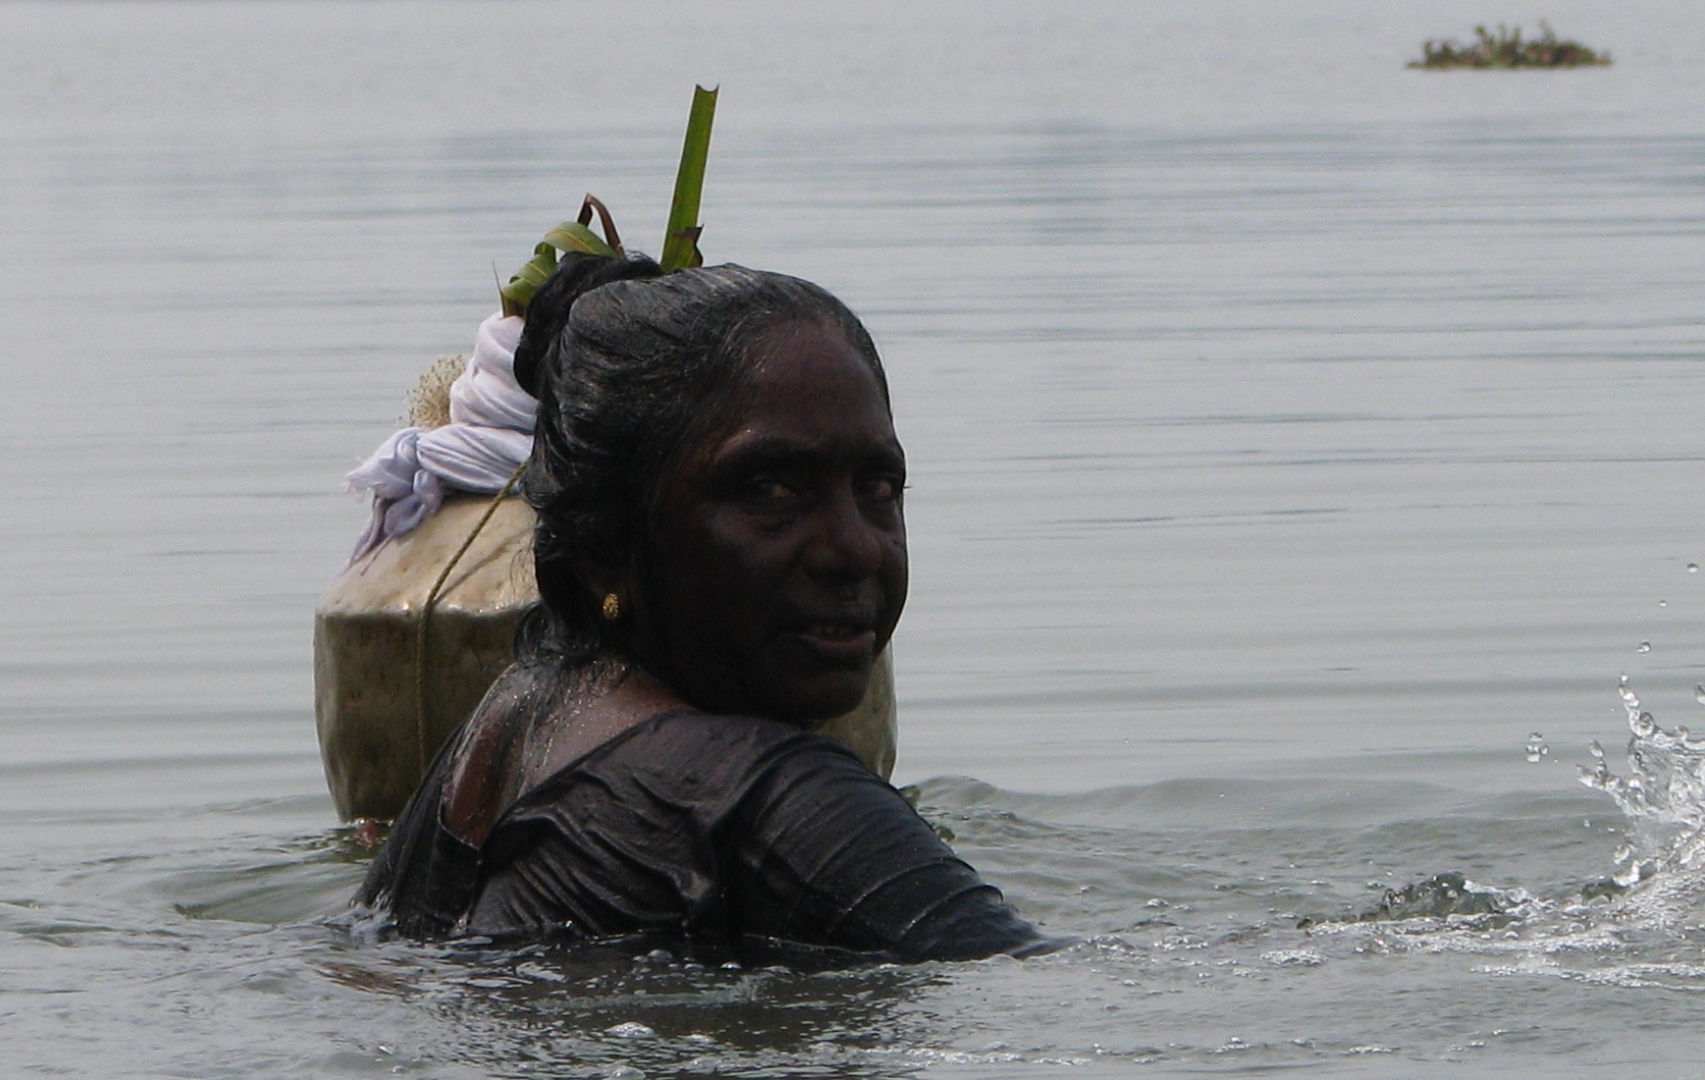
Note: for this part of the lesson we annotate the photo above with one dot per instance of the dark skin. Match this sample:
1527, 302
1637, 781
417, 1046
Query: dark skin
780, 572
780, 550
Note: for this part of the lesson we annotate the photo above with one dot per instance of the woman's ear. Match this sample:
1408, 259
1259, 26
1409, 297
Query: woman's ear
607, 587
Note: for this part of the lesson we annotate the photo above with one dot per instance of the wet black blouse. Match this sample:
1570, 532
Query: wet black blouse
719, 829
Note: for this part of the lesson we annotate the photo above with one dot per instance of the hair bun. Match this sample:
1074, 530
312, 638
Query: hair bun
547, 313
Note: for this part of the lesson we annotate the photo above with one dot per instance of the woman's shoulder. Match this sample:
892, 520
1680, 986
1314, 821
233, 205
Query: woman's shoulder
483, 775
738, 737
698, 760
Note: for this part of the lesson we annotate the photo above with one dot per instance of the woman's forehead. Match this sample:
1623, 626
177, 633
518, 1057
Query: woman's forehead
809, 392
810, 357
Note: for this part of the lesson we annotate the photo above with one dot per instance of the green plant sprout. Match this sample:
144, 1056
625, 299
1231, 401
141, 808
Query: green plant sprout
680, 242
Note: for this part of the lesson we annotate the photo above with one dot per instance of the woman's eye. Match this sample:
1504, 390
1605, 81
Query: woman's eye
770, 492
885, 489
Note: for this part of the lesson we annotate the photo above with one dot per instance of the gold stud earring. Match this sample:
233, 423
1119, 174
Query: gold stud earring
612, 607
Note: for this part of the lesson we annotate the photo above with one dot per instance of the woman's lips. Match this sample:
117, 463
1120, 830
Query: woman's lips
842, 644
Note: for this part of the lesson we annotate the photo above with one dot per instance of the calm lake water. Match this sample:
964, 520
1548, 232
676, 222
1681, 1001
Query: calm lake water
1293, 437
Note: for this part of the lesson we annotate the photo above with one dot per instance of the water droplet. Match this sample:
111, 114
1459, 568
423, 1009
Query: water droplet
1536, 748
1644, 725
1699, 694
1693, 568
1645, 647
1663, 603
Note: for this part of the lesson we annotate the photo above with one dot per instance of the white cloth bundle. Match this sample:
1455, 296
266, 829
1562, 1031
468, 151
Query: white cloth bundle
489, 435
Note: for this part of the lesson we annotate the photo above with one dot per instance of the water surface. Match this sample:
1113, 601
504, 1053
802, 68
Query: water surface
1292, 435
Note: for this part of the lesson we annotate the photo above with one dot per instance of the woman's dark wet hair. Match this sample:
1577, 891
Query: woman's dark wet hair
632, 368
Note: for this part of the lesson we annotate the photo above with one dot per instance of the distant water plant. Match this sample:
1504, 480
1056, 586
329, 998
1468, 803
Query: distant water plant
1508, 49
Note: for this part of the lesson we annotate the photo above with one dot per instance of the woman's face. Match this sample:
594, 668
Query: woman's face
781, 542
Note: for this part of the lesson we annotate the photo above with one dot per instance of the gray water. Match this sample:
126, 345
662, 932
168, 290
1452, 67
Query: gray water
1292, 435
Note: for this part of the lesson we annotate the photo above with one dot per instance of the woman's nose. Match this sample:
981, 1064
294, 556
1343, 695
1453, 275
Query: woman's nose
846, 543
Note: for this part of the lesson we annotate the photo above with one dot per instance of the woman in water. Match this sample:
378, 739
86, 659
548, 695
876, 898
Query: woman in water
721, 555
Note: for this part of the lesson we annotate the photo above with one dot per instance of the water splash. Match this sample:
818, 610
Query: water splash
1662, 795
1444, 901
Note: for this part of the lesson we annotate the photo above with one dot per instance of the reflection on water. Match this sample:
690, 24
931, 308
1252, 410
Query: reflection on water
1293, 438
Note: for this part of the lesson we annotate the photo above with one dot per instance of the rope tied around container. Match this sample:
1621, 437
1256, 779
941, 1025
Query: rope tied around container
421, 630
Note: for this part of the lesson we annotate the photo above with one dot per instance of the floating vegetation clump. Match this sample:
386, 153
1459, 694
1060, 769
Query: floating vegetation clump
1507, 49
1442, 896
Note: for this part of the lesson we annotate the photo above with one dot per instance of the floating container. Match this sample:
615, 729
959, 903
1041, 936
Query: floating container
375, 736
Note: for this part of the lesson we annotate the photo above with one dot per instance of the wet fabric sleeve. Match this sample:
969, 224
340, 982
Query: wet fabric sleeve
719, 829
424, 875
828, 853
626, 839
